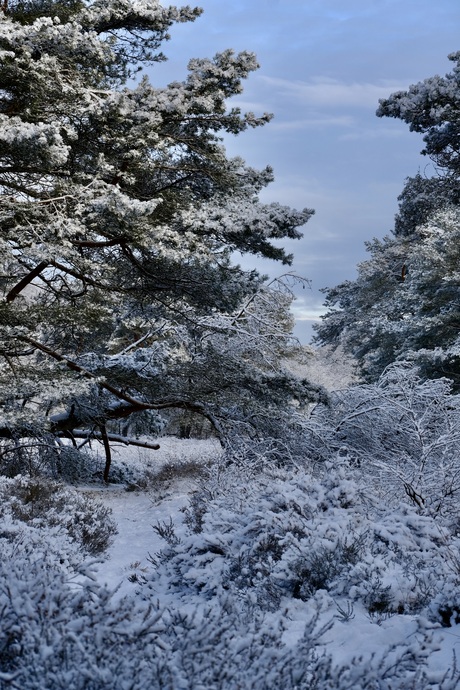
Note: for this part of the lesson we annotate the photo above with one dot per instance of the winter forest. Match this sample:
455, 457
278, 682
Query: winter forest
190, 498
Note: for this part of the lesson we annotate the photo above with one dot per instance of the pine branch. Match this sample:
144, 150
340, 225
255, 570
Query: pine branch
134, 404
88, 434
19, 287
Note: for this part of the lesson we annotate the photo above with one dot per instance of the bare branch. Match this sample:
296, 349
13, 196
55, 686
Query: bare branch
113, 438
134, 404
17, 289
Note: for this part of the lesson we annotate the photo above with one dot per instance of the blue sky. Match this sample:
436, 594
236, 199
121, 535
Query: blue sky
324, 65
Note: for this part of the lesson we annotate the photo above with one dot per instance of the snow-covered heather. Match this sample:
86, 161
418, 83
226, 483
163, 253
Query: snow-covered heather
280, 578
354, 633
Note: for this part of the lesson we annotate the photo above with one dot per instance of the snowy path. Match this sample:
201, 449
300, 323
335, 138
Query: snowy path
136, 511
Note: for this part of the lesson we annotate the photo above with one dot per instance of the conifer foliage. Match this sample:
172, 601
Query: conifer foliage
120, 213
404, 303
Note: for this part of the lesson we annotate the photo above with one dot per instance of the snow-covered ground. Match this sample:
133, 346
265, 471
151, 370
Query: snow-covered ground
171, 474
354, 633
276, 579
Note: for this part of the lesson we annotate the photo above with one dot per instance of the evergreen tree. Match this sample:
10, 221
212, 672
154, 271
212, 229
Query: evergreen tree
120, 213
432, 108
405, 302
421, 198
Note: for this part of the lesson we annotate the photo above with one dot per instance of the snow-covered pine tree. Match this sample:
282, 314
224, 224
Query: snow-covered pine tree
405, 302
120, 213
429, 108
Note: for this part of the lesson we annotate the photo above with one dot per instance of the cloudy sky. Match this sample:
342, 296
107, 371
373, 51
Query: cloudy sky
323, 66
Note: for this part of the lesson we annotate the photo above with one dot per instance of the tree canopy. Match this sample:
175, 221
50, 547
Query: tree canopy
405, 302
120, 215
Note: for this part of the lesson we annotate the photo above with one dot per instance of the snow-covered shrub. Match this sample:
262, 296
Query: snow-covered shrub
286, 449
445, 607
58, 634
61, 629
224, 649
42, 504
41, 455
402, 432
172, 472
281, 536
74, 465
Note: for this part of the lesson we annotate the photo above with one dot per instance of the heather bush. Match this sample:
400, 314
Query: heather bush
58, 633
37, 503
287, 535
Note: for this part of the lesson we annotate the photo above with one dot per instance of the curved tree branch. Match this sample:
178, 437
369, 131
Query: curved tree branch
68, 422
24, 282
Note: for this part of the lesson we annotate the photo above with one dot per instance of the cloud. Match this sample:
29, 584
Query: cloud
314, 121
326, 92
306, 312
253, 106
375, 133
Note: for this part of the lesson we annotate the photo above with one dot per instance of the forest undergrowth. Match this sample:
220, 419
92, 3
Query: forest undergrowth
259, 576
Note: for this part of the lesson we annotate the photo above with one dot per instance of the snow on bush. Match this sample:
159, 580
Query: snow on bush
61, 629
403, 433
287, 535
58, 634
216, 612
66, 520
61, 634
